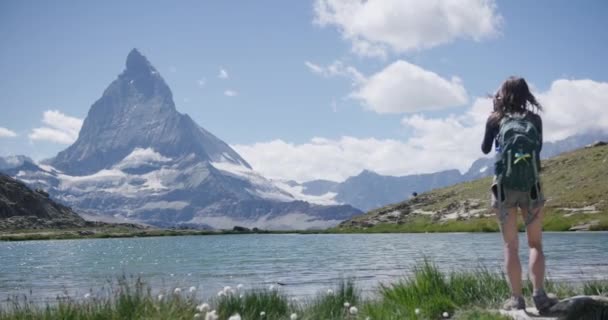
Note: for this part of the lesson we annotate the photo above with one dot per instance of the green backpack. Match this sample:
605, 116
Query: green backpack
518, 161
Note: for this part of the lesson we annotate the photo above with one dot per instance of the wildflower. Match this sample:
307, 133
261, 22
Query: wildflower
203, 307
177, 291
228, 290
353, 310
87, 295
346, 304
417, 311
235, 316
293, 316
368, 318
272, 287
221, 293
160, 297
241, 296
263, 313
197, 316
446, 315
192, 289
330, 291
239, 286
212, 315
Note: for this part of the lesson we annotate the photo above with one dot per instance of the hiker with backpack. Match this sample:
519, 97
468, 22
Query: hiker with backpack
515, 128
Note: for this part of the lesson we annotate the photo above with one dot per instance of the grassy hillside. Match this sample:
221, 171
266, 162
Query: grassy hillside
575, 185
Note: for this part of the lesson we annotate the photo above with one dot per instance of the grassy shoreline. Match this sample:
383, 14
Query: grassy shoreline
426, 294
419, 224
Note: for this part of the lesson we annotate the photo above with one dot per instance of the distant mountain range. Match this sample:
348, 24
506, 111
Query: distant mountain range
137, 159
370, 190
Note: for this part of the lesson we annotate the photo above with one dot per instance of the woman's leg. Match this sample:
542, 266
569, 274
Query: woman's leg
534, 231
511, 252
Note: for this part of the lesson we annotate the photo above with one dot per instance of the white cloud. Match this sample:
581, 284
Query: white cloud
59, 128
401, 87
375, 27
405, 87
436, 144
574, 107
6, 133
223, 74
337, 68
201, 82
452, 142
230, 93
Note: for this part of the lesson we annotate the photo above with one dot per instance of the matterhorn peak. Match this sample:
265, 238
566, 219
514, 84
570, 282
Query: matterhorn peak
138, 64
137, 111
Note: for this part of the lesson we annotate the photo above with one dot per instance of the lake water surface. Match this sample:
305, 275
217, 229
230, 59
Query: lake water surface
304, 264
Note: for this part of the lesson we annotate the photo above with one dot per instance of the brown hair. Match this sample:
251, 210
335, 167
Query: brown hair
514, 96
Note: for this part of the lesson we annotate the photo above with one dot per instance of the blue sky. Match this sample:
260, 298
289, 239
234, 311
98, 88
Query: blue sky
61, 55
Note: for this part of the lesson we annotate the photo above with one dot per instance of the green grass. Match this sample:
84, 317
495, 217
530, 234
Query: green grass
572, 180
427, 294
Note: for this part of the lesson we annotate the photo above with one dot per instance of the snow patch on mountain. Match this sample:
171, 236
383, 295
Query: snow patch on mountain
298, 192
262, 187
141, 156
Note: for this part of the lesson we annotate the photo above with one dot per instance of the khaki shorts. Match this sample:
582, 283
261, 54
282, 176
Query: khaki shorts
512, 199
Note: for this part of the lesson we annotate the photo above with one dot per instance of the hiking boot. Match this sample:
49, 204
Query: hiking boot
543, 301
514, 303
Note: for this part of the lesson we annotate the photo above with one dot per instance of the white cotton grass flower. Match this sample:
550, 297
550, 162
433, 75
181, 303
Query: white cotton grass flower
263, 314
368, 318
221, 293
177, 291
87, 295
192, 289
239, 286
294, 316
446, 315
353, 310
330, 291
417, 311
235, 316
346, 304
197, 316
241, 296
204, 307
161, 297
272, 287
211, 315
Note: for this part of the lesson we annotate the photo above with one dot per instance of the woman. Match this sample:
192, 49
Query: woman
514, 100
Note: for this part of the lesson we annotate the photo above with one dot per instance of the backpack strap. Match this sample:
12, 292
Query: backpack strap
509, 160
532, 215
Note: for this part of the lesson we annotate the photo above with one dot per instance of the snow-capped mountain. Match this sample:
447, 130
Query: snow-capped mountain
137, 111
138, 159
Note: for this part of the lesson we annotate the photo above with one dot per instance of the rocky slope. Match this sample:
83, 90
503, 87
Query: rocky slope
575, 186
23, 208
